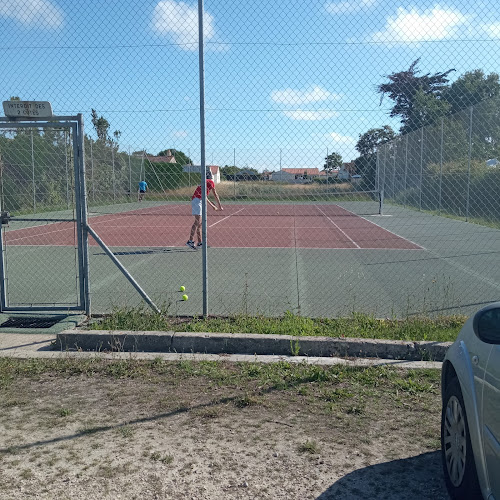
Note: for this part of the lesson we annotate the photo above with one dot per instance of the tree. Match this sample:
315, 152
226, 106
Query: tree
370, 140
413, 95
470, 89
333, 162
101, 126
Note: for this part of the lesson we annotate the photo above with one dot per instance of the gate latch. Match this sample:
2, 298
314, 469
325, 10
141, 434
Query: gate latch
4, 217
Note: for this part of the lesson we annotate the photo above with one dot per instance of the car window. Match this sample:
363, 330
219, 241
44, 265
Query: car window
488, 326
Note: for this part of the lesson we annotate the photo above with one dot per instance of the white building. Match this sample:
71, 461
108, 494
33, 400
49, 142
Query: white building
195, 169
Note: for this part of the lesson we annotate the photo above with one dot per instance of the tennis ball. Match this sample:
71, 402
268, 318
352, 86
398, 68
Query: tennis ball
182, 288
184, 297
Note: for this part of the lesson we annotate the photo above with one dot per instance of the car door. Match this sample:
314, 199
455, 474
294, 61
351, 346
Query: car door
487, 329
491, 418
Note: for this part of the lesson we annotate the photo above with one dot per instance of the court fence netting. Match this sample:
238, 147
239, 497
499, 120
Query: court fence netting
357, 161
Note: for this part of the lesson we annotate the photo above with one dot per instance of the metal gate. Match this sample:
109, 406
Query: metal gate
44, 247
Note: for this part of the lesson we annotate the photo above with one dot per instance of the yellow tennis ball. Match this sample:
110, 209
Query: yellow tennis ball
184, 297
182, 288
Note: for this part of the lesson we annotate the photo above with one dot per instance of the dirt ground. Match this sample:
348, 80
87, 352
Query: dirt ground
218, 431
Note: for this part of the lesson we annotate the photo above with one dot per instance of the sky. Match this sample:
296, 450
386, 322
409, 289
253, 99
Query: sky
285, 83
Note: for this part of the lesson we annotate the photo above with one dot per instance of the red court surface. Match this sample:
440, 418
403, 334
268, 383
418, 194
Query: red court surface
238, 226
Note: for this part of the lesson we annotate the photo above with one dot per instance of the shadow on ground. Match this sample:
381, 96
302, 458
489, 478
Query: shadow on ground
417, 477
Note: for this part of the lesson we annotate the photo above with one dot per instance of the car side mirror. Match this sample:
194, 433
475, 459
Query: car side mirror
486, 325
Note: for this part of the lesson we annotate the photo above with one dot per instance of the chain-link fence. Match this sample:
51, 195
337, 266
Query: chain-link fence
352, 145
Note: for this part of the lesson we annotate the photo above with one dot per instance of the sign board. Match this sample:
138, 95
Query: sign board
27, 109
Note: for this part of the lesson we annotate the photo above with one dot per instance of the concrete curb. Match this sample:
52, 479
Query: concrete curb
246, 343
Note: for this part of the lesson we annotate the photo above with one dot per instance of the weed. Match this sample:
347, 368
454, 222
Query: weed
126, 431
26, 474
64, 412
357, 324
309, 447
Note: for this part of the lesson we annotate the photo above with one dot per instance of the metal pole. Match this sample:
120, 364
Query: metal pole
33, 171
84, 216
129, 173
421, 167
66, 164
394, 152
281, 173
92, 170
113, 167
127, 275
441, 166
234, 172
406, 172
327, 168
203, 161
467, 201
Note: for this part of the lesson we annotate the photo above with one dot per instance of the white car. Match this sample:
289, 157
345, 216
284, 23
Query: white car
470, 419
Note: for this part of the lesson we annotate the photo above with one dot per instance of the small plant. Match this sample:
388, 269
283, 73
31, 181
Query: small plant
167, 459
64, 412
309, 447
294, 347
26, 474
126, 431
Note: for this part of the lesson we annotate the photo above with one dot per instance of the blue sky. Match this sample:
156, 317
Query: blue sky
285, 82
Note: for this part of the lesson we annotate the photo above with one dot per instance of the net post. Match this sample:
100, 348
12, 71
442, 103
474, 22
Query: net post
381, 202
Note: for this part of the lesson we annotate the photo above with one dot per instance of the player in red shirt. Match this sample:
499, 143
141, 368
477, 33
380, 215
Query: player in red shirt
196, 210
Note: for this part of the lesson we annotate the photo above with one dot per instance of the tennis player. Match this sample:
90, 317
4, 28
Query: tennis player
196, 210
143, 187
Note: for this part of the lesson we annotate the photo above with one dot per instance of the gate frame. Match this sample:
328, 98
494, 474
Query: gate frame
74, 123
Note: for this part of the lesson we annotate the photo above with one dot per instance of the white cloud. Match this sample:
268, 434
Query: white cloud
410, 26
309, 115
40, 13
349, 7
291, 96
344, 140
493, 30
180, 134
179, 22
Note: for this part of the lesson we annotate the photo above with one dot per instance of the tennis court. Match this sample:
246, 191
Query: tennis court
238, 226
316, 259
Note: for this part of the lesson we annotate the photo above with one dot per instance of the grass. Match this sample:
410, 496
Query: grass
442, 329
281, 376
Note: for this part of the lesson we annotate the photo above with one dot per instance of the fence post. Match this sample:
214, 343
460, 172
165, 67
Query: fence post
441, 166
234, 172
421, 168
33, 171
113, 167
467, 201
394, 153
327, 168
92, 170
406, 172
129, 174
66, 165
201, 63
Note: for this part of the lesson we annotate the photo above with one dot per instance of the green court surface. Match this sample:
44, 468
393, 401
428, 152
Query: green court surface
454, 272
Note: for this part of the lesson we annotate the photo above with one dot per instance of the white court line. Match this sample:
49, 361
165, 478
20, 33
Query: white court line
10, 240
371, 222
227, 217
346, 235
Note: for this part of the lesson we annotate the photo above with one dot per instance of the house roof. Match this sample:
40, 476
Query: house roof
300, 171
162, 159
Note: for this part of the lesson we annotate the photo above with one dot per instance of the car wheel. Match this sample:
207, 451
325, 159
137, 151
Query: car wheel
456, 449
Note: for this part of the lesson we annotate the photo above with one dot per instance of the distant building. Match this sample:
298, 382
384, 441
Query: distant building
346, 171
195, 169
168, 158
295, 174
